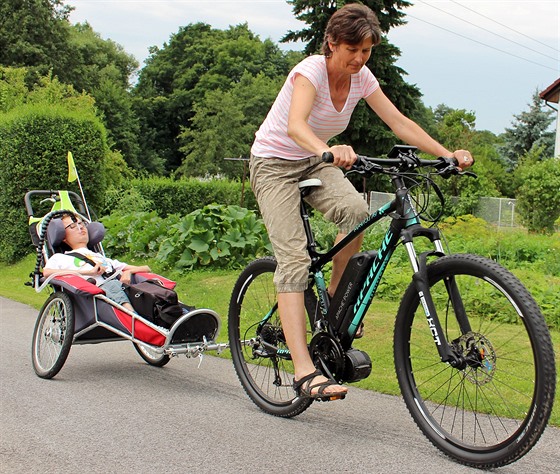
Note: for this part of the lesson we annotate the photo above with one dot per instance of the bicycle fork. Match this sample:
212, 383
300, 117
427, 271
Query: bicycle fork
420, 280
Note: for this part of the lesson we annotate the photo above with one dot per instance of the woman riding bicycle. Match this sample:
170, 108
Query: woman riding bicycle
314, 105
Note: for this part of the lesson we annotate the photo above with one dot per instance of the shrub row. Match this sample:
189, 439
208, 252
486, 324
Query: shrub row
230, 236
168, 196
34, 144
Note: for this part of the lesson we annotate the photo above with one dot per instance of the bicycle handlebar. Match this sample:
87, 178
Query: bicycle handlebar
403, 159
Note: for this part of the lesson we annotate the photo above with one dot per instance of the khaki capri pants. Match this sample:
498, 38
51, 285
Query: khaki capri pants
275, 184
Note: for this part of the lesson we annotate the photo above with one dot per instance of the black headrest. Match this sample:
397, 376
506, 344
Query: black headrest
56, 233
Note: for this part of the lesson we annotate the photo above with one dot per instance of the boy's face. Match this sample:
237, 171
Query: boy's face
76, 234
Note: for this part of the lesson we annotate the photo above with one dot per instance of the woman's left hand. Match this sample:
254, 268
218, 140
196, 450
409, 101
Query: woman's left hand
464, 158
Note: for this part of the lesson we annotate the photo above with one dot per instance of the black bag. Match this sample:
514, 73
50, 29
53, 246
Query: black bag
155, 302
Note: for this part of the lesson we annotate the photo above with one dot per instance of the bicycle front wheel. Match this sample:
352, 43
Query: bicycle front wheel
258, 348
493, 409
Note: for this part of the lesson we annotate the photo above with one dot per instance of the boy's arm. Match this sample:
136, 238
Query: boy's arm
130, 270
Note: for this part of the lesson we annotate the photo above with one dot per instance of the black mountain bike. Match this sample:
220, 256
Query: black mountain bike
473, 355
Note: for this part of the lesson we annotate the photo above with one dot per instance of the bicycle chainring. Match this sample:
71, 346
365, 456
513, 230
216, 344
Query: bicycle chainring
327, 355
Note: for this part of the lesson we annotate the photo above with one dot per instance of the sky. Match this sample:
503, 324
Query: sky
484, 56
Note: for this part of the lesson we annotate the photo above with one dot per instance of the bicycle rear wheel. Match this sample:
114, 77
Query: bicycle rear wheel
260, 355
491, 411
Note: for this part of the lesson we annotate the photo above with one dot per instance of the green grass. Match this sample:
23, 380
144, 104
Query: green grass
212, 289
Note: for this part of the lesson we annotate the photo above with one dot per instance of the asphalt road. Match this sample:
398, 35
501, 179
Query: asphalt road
107, 411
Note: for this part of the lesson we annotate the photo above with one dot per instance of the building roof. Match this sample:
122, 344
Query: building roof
552, 92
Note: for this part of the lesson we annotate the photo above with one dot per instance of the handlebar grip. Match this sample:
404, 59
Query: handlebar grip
328, 157
456, 161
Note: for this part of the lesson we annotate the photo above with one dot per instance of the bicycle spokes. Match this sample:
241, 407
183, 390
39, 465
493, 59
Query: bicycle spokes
499, 393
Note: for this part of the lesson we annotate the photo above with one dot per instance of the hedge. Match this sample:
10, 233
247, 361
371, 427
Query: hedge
34, 144
168, 196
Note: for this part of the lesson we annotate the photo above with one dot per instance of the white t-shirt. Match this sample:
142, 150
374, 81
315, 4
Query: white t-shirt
62, 261
272, 140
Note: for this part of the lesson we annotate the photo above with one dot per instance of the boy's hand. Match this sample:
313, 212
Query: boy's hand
97, 270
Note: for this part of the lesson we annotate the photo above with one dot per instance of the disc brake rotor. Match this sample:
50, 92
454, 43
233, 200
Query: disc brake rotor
480, 357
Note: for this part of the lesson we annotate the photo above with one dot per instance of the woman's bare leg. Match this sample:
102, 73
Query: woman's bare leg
292, 313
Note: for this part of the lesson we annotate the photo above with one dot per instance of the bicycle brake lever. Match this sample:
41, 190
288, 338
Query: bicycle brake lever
365, 166
452, 169
461, 172
448, 171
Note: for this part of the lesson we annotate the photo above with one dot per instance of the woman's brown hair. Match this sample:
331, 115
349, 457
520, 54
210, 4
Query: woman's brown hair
352, 24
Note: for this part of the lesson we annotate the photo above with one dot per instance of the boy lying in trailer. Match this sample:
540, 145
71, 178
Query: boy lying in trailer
83, 261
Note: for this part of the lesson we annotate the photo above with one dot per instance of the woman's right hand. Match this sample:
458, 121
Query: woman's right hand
344, 156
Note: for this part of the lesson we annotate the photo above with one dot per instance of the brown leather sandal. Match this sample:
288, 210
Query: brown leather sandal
304, 389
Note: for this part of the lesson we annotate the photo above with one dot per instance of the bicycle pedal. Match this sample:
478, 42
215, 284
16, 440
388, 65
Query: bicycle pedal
331, 398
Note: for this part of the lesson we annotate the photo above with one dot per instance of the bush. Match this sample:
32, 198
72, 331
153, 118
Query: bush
220, 236
34, 144
217, 236
169, 196
136, 234
538, 199
544, 290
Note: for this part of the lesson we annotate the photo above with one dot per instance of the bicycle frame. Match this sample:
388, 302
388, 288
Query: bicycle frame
405, 226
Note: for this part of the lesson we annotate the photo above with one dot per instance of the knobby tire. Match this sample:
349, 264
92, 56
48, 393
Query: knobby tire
493, 411
260, 355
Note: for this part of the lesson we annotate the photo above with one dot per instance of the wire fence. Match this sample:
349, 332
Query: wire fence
497, 211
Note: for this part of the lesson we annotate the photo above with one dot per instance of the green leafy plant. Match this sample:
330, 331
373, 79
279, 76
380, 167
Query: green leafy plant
221, 236
137, 235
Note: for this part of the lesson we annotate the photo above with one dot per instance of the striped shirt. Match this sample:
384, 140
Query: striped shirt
272, 140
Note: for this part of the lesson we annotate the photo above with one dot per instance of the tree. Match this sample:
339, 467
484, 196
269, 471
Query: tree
37, 35
114, 104
103, 69
174, 84
48, 90
34, 34
12, 87
530, 131
316, 13
455, 128
538, 199
366, 132
224, 125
